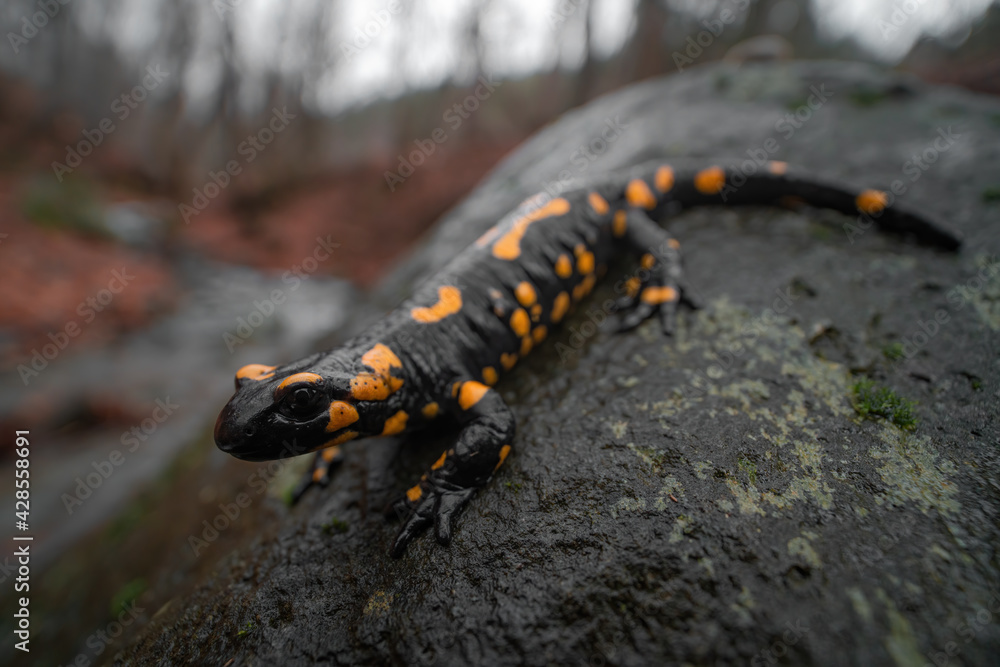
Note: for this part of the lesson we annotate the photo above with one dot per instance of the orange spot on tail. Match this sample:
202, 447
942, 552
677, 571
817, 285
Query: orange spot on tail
872, 201
710, 181
414, 493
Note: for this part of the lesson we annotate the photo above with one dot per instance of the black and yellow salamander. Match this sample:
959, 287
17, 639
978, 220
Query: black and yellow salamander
440, 353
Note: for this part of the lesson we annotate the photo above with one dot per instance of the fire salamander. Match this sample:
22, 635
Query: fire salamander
440, 354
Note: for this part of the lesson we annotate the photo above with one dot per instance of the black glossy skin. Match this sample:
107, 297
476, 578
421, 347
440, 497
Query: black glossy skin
443, 361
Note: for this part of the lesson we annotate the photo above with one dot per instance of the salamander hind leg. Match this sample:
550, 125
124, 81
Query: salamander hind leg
658, 286
481, 447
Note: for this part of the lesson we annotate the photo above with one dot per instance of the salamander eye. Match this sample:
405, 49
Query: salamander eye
302, 402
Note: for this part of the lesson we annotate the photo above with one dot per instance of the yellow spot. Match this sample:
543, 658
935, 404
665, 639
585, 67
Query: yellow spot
341, 415
777, 168
330, 453
657, 295
430, 410
598, 203
341, 439
632, 286
396, 423
539, 334
508, 361
560, 306
367, 387
377, 386
508, 246
440, 462
454, 389
872, 201
526, 346
647, 261
504, 451
296, 378
255, 372
490, 375
414, 493
584, 259
710, 181
471, 393
449, 303
519, 322
620, 224
637, 193
578, 292
674, 244
588, 283
318, 474
536, 312
664, 179
564, 268
525, 294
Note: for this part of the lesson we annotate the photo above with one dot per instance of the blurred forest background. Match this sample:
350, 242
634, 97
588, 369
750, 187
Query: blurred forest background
184, 84
200, 148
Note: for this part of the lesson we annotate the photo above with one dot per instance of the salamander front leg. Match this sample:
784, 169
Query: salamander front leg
482, 446
319, 473
659, 287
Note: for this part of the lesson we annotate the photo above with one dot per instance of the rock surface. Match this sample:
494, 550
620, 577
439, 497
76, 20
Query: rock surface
710, 498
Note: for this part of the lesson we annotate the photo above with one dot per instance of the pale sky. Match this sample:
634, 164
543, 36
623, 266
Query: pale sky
422, 47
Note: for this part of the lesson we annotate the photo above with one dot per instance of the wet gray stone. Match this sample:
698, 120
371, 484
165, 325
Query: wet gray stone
711, 498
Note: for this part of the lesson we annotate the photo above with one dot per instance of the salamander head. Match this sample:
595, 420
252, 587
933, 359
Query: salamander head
286, 411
